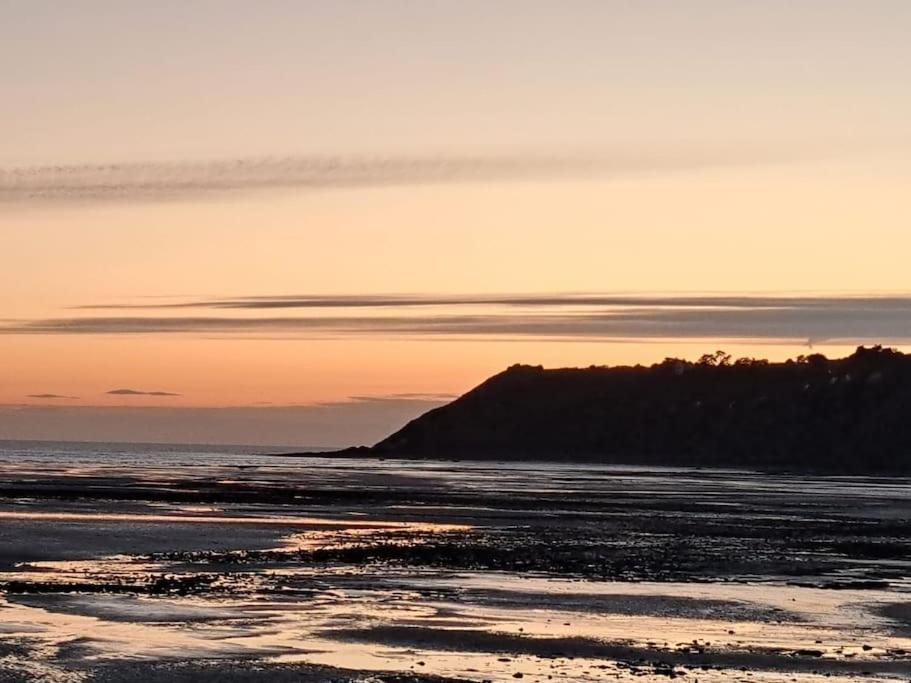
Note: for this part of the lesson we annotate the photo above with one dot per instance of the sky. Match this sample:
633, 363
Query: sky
304, 223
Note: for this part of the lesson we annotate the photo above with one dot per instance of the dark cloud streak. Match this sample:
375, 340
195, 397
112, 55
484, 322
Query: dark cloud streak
154, 181
800, 319
519, 300
135, 392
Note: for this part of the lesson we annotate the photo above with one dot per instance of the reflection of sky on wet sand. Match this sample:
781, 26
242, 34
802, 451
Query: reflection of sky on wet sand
314, 522
289, 629
339, 616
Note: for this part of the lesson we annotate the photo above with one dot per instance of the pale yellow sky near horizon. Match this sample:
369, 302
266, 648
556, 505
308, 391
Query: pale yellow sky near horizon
730, 147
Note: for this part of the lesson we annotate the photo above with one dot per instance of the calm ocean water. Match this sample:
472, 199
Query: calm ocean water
135, 454
262, 463
67, 458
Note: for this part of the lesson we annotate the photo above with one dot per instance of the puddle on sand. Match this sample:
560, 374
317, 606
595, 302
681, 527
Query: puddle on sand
259, 520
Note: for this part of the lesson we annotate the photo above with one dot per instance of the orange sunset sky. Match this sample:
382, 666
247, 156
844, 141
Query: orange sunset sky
303, 223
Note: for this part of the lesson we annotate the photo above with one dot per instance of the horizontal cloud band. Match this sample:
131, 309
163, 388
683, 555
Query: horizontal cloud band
161, 181
803, 319
136, 392
304, 301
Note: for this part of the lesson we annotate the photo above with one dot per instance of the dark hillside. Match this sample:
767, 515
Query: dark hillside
851, 414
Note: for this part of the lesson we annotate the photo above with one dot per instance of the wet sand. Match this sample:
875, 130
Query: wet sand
395, 571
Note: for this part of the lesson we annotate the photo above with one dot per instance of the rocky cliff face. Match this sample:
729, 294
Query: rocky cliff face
851, 414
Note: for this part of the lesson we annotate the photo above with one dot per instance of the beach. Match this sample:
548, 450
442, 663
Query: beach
163, 563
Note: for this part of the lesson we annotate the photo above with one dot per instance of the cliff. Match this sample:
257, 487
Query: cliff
851, 414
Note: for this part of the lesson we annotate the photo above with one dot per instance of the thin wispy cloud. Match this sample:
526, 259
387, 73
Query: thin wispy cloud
804, 319
305, 301
136, 392
408, 397
52, 396
154, 181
